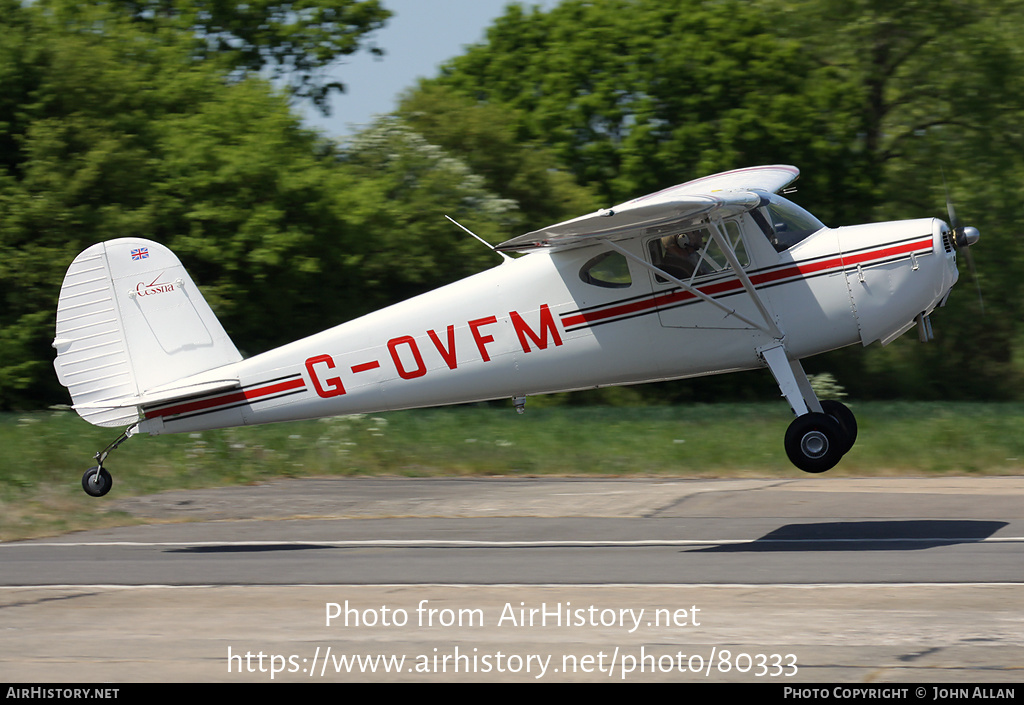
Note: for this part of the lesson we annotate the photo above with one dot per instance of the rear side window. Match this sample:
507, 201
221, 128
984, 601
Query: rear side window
608, 269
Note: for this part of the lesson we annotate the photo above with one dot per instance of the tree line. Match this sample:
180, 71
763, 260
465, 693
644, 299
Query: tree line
175, 120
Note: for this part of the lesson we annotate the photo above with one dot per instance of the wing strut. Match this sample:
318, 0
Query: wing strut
789, 374
723, 243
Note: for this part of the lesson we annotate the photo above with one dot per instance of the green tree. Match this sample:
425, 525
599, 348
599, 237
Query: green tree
636, 95
403, 186
289, 40
111, 127
487, 137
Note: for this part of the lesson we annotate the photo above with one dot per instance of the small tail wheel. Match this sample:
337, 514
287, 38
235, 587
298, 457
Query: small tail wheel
815, 442
847, 421
97, 481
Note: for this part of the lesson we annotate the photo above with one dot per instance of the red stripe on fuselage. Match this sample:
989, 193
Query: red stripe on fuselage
244, 395
659, 300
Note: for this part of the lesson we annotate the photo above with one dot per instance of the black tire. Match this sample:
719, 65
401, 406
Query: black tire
815, 442
847, 421
97, 481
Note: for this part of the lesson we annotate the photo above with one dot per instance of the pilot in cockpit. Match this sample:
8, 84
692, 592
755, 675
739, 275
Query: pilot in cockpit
682, 253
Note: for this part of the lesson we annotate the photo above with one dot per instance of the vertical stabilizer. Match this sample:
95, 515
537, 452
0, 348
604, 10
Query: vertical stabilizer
129, 320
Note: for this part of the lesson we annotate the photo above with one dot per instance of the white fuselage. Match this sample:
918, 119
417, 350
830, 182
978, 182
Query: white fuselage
532, 325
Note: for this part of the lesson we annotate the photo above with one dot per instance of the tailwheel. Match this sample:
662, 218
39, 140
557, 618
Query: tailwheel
815, 442
97, 481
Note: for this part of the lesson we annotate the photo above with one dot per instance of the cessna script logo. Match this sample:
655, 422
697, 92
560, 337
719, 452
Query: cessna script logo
153, 288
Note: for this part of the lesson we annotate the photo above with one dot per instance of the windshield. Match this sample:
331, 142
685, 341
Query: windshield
784, 222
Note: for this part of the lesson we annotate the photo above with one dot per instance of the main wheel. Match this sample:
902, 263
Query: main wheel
815, 442
97, 481
847, 421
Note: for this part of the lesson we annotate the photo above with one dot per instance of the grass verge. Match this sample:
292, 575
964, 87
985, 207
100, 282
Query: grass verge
47, 452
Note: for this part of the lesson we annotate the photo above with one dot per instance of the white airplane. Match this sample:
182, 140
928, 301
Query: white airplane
715, 275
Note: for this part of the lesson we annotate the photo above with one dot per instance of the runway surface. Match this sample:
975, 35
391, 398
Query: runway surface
774, 581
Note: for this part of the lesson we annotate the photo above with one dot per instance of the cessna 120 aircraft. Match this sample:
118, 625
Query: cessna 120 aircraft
714, 275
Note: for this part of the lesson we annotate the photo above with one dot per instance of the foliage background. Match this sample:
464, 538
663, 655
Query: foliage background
161, 119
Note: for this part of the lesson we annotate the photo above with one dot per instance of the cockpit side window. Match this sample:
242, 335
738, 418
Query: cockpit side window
608, 269
785, 223
732, 235
693, 254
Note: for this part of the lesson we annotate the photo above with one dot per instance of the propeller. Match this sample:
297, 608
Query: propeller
963, 238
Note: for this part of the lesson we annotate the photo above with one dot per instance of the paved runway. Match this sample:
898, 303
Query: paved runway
782, 581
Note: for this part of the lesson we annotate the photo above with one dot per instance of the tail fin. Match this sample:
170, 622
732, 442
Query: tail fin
130, 321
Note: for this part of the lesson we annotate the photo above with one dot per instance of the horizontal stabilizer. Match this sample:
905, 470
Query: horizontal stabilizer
160, 397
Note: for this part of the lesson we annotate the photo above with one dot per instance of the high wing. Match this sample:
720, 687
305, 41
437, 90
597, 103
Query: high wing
720, 195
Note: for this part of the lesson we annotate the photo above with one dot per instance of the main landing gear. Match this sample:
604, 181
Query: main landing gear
815, 442
823, 431
97, 480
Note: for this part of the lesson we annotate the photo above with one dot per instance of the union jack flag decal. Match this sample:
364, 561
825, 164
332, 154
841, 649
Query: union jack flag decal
141, 253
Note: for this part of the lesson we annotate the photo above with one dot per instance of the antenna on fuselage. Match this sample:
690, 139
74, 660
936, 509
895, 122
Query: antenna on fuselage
489, 245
